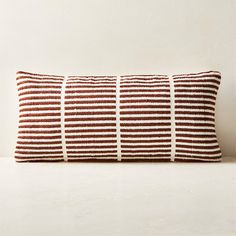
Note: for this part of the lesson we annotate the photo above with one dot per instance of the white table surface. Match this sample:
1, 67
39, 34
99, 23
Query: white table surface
106, 199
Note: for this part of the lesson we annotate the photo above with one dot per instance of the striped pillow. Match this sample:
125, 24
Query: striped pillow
128, 117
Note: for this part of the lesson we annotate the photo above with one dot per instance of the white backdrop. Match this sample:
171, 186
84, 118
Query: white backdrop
116, 37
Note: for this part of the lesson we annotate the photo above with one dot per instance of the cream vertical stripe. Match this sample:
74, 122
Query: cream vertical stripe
172, 108
118, 118
63, 139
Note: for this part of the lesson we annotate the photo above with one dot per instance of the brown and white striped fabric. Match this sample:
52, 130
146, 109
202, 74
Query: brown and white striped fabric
123, 118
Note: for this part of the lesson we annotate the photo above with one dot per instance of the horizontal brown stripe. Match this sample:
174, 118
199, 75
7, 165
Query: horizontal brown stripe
196, 156
92, 147
91, 82
92, 157
90, 125
39, 153
145, 146
145, 130
146, 151
97, 141
39, 120
79, 91
197, 85
39, 131
42, 158
144, 95
196, 141
194, 107
194, 124
145, 124
31, 126
39, 98
89, 113
38, 82
145, 141
195, 130
40, 137
90, 96
198, 160
152, 101
198, 152
195, 118
39, 147
194, 96
144, 135
89, 136
90, 119
204, 91
91, 152
39, 78
142, 82
159, 77
92, 78
196, 135
197, 147
38, 87
40, 92
92, 86
197, 76
144, 90
150, 160
145, 118
194, 102
39, 114
54, 108
157, 85
38, 142
195, 113
144, 106
90, 130
91, 102
140, 112
41, 103
186, 80
89, 107
148, 156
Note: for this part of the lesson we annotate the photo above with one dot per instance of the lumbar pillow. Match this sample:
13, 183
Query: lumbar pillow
128, 117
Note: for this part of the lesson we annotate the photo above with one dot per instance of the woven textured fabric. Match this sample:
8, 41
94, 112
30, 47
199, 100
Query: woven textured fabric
128, 117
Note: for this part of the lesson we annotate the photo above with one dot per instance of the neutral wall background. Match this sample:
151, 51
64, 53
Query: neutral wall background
115, 37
